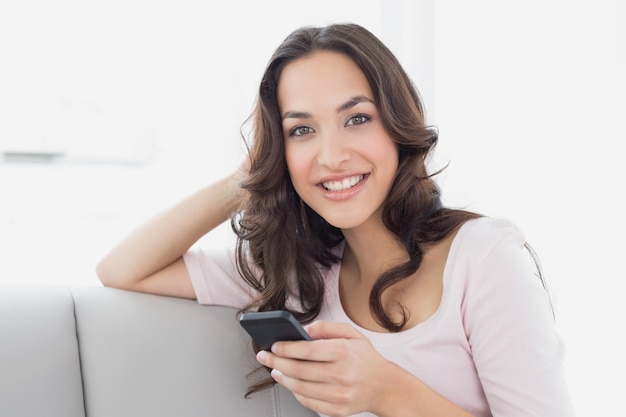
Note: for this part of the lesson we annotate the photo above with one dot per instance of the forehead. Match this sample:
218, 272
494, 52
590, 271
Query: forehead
323, 78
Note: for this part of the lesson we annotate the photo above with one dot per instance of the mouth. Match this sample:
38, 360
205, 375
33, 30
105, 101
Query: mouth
344, 184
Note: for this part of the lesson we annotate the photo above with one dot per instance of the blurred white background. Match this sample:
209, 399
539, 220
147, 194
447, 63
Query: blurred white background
111, 111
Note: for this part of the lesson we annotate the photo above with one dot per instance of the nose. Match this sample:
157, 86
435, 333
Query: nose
333, 150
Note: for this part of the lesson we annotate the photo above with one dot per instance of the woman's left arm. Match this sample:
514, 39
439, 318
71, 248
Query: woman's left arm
340, 373
510, 329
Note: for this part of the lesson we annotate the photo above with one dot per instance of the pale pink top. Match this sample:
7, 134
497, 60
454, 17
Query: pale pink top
490, 348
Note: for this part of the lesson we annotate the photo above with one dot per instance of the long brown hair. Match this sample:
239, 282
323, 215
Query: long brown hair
283, 245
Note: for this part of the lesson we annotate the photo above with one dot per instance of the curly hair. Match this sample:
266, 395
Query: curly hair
282, 244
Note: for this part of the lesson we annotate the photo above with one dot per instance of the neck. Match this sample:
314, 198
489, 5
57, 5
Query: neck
372, 249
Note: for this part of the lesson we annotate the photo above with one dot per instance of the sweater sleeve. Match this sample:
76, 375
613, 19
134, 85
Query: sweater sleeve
510, 329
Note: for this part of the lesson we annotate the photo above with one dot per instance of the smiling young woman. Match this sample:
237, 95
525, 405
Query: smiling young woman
413, 308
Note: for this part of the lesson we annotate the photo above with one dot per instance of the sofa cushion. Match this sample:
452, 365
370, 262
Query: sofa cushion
39, 363
147, 355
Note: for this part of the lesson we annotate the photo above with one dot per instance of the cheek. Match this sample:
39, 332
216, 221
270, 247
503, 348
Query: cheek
296, 165
383, 150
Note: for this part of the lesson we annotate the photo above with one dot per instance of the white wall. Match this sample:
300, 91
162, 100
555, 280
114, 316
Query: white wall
527, 96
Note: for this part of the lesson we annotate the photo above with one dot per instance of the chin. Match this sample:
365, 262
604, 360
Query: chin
343, 222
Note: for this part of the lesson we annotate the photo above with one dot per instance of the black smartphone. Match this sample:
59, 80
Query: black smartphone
268, 327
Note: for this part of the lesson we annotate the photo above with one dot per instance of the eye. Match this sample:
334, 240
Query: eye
300, 131
357, 119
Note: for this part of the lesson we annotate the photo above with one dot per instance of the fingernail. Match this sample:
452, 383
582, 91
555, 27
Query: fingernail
261, 356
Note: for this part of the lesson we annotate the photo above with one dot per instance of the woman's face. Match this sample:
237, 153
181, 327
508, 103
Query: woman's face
341, 160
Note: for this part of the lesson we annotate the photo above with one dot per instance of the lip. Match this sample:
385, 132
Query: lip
344, 194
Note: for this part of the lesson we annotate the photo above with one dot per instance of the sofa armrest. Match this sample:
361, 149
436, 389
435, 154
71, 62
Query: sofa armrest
39, 363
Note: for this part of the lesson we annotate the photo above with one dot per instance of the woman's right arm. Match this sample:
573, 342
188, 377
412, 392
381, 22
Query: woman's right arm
150, 259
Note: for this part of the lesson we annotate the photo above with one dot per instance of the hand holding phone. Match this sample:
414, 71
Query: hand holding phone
268, 327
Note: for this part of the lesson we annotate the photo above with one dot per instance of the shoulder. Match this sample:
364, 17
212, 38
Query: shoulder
478, 237
490, 252
490, 228
493, 270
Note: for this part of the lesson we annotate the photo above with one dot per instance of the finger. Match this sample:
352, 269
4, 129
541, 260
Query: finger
325, 350
313, 390
323, 329
266, 358
332, 341
302, 370
292, 366
296, 368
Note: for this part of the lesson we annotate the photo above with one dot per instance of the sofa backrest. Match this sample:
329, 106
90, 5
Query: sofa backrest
140, 355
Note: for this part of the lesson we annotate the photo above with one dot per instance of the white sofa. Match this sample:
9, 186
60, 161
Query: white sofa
102, 352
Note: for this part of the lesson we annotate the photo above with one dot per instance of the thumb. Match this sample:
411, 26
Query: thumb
323, 329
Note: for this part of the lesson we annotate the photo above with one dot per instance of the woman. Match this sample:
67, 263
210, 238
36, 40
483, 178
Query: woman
415, 309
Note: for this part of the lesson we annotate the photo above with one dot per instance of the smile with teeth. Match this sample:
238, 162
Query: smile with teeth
345, 184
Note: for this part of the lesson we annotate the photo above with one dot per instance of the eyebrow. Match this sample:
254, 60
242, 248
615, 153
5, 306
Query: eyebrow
353, 101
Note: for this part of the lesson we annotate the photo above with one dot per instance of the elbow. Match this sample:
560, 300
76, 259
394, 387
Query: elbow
103, 274
111, 275
107, 275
